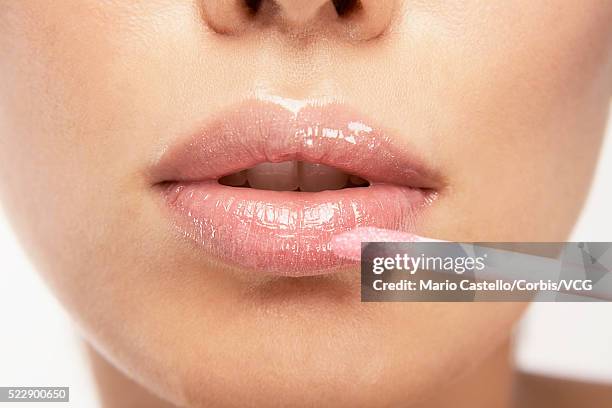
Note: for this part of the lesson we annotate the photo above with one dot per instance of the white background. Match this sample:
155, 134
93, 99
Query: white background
38, 345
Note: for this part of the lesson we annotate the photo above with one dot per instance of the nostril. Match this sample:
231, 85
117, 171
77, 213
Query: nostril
253, 5
346, 7
349, 20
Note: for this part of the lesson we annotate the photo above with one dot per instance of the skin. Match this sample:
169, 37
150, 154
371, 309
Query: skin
508, 100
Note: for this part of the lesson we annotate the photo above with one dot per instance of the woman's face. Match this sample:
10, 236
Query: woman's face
505, 102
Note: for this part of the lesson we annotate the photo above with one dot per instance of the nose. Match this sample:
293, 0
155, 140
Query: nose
350, 19
299, 12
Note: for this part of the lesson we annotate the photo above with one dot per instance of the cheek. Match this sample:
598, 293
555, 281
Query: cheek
68, 138
520, 98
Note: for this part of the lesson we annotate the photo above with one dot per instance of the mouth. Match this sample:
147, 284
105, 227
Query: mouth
266, 188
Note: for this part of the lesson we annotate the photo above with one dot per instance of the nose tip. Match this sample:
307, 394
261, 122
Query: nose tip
299, 12
354, 19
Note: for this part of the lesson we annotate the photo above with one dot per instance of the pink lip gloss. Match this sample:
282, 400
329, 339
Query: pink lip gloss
288, 233
535, 267
348, 244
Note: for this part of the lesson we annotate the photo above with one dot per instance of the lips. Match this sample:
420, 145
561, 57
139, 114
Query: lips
204, 183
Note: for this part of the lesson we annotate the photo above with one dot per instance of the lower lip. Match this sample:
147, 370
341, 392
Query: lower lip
284, 232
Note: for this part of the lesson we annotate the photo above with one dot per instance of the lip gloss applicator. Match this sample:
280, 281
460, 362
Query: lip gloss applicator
534, 268
347, 245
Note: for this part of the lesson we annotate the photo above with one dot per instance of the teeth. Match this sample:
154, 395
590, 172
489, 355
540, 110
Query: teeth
234, 180
274, 176
291, 176
318, 177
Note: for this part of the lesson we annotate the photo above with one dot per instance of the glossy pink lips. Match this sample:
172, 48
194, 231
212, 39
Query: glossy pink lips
288, 232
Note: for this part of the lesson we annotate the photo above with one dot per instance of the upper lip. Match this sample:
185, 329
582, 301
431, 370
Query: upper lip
259, 131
